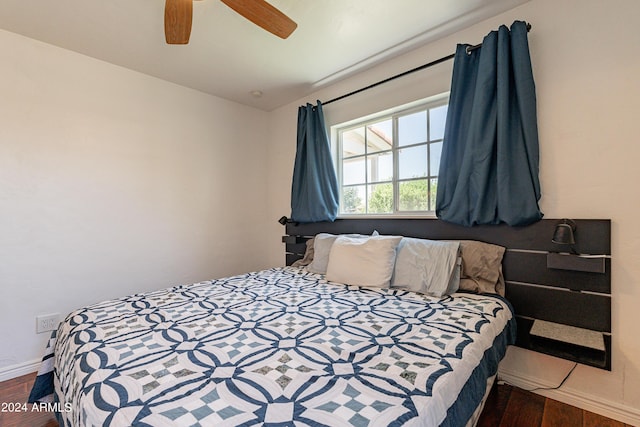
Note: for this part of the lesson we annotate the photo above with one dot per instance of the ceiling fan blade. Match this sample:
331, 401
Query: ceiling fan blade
177, 21
264, 15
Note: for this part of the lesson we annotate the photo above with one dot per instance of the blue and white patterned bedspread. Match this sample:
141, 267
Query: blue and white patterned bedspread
280, 347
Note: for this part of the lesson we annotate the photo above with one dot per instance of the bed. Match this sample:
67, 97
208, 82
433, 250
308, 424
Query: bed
280, 347
283, 346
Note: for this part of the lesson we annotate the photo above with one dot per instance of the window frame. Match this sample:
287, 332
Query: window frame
392, 114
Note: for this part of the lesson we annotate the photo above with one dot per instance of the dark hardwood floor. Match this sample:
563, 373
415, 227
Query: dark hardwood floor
509, 406
506, 407
17, 391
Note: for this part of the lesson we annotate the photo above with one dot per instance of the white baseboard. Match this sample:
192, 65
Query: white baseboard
607, 408
17, 370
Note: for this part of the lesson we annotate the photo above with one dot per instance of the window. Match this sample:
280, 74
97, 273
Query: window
389, 164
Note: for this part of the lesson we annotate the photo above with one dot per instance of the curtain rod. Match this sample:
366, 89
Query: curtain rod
413, 70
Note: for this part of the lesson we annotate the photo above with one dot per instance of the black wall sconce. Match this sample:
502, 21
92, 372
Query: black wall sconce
284, 220
564, 233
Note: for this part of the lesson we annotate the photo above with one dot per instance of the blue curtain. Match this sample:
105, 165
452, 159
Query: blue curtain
314, 191
489, 165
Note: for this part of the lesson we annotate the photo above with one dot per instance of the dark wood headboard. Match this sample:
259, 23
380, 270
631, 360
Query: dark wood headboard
541, 284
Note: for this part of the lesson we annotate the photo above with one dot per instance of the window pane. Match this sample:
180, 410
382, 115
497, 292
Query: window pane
412, 162
437, 119
353, 142
412, 129
434, 191
353, 171
434, 158
413, 195
380, 167
381, 198
391, 165
380, 136
353, 199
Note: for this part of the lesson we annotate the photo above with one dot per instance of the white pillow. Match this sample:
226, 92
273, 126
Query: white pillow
427, 266
363, 262
321, 248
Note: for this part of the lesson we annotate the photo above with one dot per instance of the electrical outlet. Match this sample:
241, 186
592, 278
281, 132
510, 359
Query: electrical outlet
47, 322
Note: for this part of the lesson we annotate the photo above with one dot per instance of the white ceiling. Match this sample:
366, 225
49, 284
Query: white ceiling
230, 57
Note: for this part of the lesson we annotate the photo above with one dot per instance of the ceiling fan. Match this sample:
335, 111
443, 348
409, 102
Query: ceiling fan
178, 14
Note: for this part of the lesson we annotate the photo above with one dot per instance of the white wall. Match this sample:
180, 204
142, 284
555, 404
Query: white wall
586, 65
113, 182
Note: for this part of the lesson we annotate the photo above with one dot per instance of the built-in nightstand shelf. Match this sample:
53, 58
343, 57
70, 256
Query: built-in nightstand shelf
586, 355
571, 262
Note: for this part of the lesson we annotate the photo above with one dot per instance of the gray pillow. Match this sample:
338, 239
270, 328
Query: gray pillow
427, 266
321, 249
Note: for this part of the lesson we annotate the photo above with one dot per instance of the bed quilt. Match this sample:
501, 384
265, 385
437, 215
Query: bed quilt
280, 347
